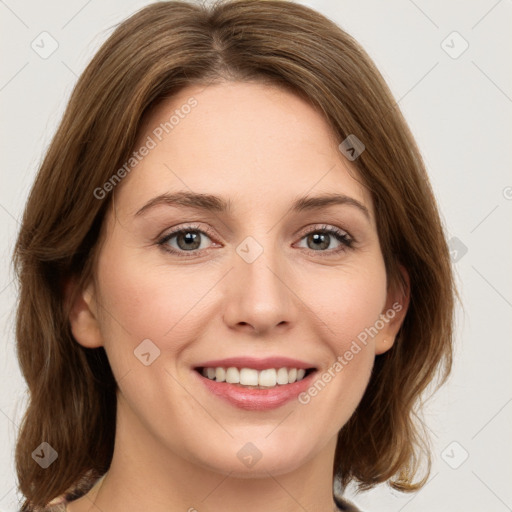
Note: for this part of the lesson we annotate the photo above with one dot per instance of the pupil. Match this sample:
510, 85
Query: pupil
190, 240
319, 239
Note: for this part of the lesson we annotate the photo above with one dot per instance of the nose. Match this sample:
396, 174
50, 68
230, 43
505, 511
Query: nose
259, 296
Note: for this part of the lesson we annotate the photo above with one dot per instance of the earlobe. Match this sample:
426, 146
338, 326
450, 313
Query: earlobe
393, 315
82, 314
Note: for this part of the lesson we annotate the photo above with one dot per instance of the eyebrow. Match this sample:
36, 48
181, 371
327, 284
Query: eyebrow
212, 203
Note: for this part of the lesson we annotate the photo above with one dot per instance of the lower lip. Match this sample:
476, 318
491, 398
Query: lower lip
257, 399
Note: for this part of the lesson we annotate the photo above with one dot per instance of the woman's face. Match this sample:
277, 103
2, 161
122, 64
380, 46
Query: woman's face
253, 275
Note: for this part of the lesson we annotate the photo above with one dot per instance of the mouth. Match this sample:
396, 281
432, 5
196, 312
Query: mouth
252, 378
255, 385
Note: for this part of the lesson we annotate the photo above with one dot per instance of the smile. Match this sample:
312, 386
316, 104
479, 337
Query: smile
255, 384
254, 379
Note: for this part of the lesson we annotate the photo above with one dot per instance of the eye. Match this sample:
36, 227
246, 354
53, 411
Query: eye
183, 240
320, 239
189, 239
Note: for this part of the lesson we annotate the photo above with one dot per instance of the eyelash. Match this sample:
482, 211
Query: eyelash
340, 235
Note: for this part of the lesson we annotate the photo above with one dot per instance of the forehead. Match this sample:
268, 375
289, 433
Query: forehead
254, 143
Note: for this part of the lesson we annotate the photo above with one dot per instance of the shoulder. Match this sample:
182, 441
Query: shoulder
56, 506
346, 506
84, 485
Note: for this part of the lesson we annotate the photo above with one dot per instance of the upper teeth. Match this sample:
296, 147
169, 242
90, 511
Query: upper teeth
251, 377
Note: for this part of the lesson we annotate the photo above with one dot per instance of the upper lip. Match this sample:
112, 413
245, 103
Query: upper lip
257, 364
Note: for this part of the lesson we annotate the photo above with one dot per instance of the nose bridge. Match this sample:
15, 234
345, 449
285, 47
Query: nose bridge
258, 294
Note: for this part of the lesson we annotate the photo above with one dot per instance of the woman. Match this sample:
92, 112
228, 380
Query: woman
234, 282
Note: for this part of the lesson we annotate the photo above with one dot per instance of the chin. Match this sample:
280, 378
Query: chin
257, 458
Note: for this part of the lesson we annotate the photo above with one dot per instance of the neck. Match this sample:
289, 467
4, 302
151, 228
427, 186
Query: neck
145, 475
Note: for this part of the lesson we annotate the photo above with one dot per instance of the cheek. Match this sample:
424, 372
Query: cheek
147, 302
348, 301
172, 305
348, 306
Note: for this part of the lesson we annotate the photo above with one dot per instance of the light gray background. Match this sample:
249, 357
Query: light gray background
460, 110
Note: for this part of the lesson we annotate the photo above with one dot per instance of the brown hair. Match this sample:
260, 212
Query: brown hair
152, 55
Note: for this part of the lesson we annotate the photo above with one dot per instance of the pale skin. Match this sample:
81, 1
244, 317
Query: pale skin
261, 148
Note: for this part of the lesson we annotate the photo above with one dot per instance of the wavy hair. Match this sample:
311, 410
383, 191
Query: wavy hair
151, 56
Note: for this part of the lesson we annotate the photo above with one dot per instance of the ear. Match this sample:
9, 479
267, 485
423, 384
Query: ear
82, 313
393, 314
